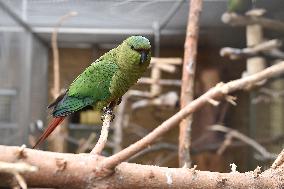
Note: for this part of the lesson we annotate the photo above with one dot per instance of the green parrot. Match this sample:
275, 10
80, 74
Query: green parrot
239, 6
104, 82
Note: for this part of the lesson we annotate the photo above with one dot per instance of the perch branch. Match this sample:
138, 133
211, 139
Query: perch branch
153, 148
55, 91
174, 61
218, 92
265, 47
54, 45
169, 99
103, 136
85, 145
167, 82
188, 75
239, 20
118, 124
76, 171
231, 133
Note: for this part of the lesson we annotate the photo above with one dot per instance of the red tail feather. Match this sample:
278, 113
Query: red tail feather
52, 125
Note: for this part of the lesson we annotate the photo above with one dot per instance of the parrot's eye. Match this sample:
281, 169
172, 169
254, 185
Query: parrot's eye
132, 47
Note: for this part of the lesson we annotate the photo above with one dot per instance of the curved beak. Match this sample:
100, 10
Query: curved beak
143, 57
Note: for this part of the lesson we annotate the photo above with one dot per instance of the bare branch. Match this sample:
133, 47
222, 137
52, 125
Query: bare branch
169, 99
56, 70
188, 75
266, 47
83, 147
104, 134
166, 82
80, 173
231, 133
238, 20
16, 168
174, 61
279, 160
218, 92
153, 148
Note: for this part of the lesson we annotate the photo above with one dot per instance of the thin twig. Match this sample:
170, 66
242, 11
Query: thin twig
55, 91
218, 92
166, 82
118, 125
174, 61
54, 45
231, 133
83, 147
104, 134
169, 99
227, 142
153, 148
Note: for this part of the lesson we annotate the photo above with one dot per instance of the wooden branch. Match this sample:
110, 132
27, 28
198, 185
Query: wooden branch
279, 160
56, 81
236, 134
56, 70
169, 99
262, 48
104, 134
167, 82
86, 144
174, 61
118, 124
15, 169
218, 92
188, 75
78, 171
238, 20
153, 148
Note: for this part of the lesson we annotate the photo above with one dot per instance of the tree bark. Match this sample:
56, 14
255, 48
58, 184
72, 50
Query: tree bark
79, 171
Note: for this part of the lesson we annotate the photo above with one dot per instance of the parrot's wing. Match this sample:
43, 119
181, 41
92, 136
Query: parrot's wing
88, 88
94, 82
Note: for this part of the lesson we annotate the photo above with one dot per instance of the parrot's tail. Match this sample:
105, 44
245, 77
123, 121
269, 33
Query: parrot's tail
52, 125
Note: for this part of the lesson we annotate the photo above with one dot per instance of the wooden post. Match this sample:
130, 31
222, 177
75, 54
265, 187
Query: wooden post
258, 112
188, 74
254, 37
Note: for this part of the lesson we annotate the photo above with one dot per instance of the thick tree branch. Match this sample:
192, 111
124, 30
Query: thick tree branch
216, 93
58, 170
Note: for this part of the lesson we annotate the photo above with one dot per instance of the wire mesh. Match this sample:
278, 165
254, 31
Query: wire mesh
98, 13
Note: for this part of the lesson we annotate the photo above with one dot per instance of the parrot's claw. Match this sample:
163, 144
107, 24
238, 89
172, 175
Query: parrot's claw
119, 101
107, 111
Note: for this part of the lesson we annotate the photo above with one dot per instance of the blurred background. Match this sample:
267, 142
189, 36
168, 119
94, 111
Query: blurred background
83, 30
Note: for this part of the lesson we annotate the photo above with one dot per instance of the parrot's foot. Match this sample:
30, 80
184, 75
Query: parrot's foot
107, 111
119, 101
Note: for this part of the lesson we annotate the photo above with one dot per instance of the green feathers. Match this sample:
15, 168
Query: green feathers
239, 6
108, 78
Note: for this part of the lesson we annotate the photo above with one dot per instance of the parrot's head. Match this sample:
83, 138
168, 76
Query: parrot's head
137, 51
